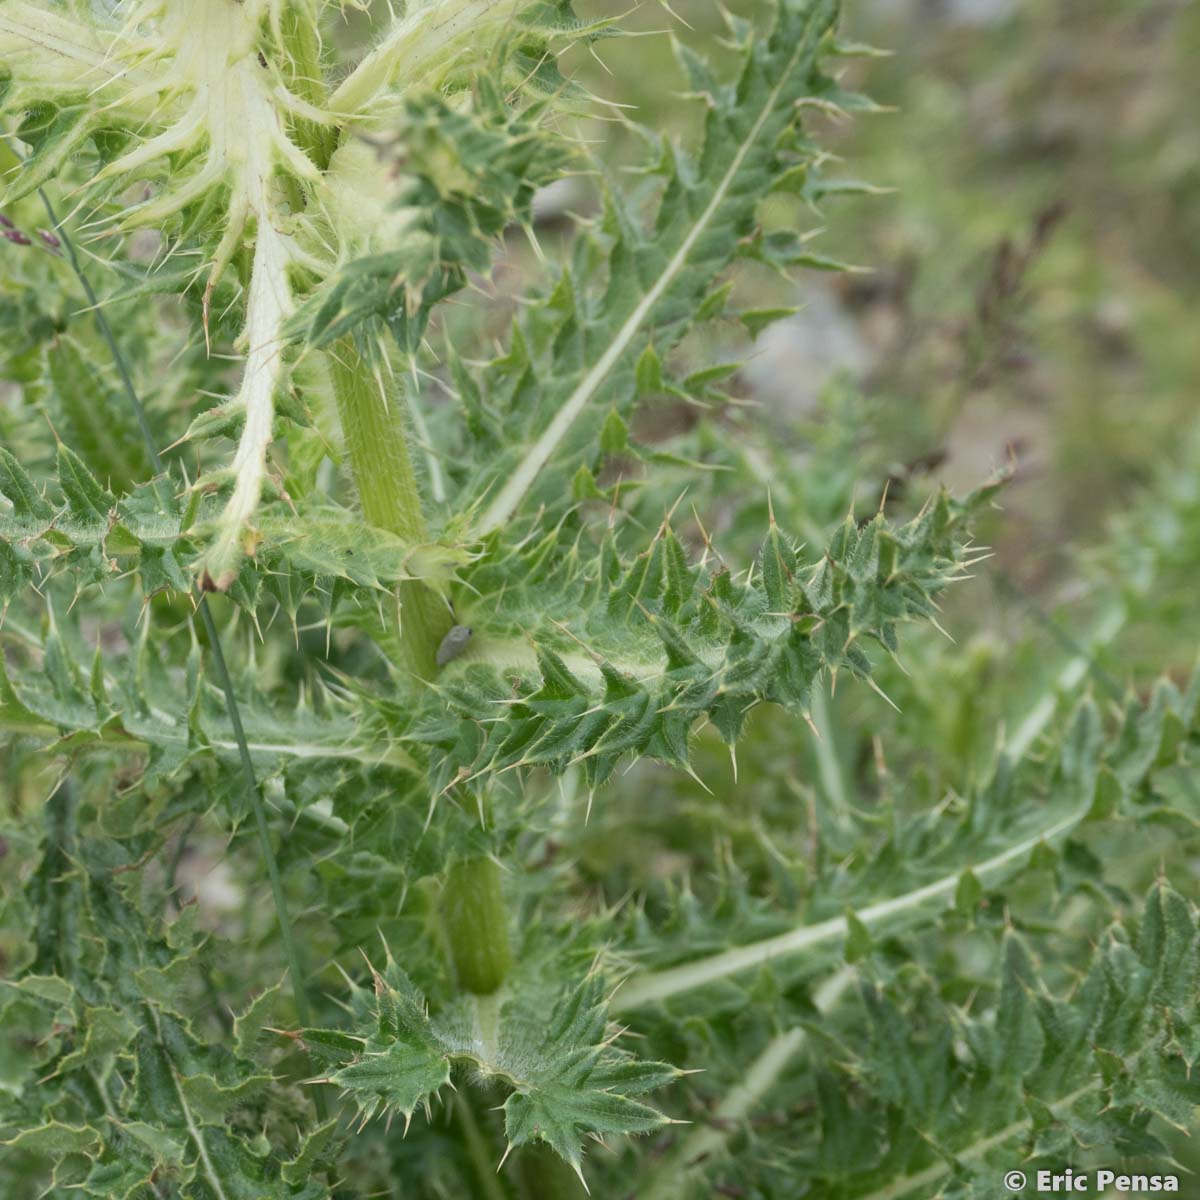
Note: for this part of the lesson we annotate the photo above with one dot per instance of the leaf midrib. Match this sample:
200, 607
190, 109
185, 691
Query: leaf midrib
661, 985
536, 457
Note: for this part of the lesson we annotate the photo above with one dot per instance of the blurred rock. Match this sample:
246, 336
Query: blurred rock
794, 359
979, 12
559, 199
953, 12
206, 878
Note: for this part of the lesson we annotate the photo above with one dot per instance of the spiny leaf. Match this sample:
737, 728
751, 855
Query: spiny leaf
91, 536
1012, 823
108, 1137
565, 1077
643, 650
468, 171
145, 708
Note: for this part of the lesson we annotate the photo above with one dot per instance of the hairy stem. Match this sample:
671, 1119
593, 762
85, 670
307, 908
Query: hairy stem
833, 778
373, 420
302, 69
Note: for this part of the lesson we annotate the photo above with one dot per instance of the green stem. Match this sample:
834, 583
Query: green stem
302, 69
373, 421
371, 410
475, 925
545, 1176
829, 763
375, 438
477, 1150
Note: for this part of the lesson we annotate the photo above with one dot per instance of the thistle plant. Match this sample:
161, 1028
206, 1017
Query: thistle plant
501, 696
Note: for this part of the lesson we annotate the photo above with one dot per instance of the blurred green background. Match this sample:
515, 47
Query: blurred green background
1031, 277
1028, 293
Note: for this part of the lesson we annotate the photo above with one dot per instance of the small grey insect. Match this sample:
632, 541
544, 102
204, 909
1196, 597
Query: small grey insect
453, 644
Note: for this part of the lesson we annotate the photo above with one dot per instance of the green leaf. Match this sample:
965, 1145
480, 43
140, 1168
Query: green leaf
167, 1106
55, 1138
19, 489
757, 319
565, 1077
313, 1149
248, 1026
469, 170
87, 501
858, 939
1019, 1039
398, 1078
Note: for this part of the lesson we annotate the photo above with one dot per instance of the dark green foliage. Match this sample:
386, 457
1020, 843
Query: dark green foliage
133, 1100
